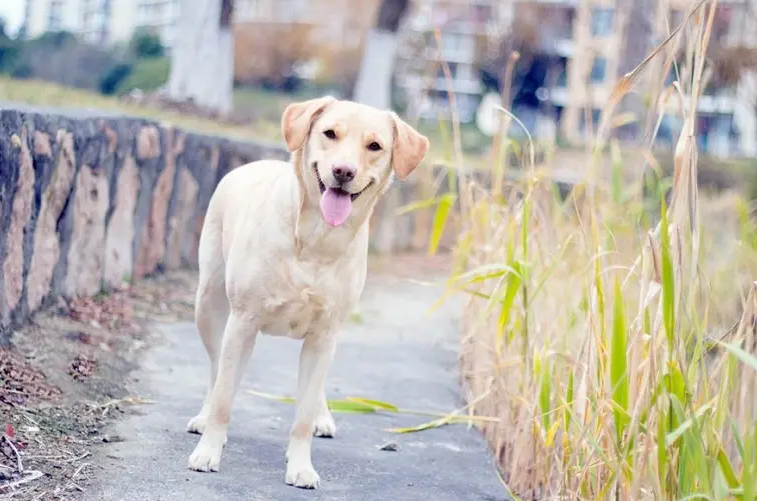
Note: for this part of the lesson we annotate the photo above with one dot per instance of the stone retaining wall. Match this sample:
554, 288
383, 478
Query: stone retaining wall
87, 203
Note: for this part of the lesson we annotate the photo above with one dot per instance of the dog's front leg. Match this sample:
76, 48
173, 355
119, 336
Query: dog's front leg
238, 341
315, 359
324, 425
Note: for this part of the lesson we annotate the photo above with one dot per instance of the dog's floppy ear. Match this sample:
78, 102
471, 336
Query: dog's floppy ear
409, 148
298, 117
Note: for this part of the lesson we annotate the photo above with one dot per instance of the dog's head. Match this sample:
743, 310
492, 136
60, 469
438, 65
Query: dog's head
350, 151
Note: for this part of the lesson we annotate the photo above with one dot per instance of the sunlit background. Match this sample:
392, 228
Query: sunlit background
571, 55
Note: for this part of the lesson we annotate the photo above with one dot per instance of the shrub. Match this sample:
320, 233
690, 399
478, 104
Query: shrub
52, 40
145, 44
21, 70
61, 58
112, 80
147, 75
10, 51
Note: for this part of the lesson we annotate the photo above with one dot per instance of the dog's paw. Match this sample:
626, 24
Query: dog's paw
197, 424
302, 477
206, 456
325, 426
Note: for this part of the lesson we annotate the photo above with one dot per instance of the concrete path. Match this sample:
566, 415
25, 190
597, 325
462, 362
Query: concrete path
394, 352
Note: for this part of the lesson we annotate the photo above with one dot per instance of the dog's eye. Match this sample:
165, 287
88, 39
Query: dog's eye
374, 146
330, 134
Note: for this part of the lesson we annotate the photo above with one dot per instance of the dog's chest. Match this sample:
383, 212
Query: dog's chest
307, 299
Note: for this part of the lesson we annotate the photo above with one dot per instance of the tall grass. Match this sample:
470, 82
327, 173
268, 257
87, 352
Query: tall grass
600, 330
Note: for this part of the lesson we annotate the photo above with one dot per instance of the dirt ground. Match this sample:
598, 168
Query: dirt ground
63, 381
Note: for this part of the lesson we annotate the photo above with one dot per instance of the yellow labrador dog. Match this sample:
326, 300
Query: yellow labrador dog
283, 251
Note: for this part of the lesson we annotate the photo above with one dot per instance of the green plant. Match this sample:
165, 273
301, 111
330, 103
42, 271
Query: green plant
751, 191
145, 44
10, 51
53, 40
114, 78
61, 58
147, 75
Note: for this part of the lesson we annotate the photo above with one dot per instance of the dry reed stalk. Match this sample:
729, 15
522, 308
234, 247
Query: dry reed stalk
589, 402
499, 157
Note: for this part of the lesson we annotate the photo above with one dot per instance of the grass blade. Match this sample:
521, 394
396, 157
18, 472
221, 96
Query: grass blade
377, 404
441, 215
618, 364
668, 285
350, 407
270, 396
739, 353
436, 423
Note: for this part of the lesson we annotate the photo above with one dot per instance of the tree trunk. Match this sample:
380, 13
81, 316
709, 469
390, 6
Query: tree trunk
202, 59
374, 81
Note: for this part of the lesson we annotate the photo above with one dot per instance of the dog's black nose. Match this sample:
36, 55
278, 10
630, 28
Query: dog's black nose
343, 173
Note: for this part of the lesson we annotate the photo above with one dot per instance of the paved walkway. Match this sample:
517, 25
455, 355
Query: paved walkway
394, 352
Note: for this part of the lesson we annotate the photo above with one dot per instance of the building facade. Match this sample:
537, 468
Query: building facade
44, 16
584, 47
726, 115
103, 21
465, 27
608, 38
324, 37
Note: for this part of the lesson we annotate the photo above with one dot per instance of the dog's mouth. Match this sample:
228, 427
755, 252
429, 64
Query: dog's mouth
336, 202
322, 186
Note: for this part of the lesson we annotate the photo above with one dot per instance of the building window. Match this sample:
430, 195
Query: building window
173, 8
598, 70
143, 13
450, 42
562, 79
55, 16
464, 72
482, 14
458, 46
248, 10
452, 71
596, 115
601, 21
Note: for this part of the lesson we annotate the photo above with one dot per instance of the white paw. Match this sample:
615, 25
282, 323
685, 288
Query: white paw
207, 455
325, 426
302, 477
197, 424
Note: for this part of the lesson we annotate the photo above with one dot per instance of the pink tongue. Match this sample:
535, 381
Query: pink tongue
336, 206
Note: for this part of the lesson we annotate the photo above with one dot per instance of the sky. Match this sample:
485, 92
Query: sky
13, 13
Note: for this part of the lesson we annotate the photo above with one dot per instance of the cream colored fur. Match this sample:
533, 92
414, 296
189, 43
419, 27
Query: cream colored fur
270, 263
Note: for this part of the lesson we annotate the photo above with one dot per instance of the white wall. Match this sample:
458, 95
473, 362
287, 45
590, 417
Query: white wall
40, 15
123, 20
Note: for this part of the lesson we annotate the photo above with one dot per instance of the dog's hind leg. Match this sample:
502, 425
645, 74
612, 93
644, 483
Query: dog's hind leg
211, 315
